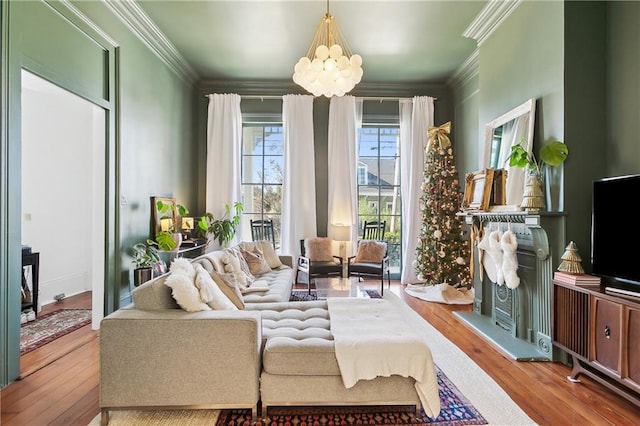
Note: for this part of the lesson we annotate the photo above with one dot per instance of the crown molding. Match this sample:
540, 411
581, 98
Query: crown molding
489, 19
146, 30
466, 71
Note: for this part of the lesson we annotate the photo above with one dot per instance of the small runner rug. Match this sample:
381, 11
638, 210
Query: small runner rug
48, 327
455, 409
305, 296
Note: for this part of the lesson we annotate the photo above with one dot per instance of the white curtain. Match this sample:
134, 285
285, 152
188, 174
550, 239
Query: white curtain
299, 178
224, 141
416, 116
345, 117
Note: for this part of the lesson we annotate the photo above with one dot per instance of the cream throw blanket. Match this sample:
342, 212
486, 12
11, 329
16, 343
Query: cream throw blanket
372, 338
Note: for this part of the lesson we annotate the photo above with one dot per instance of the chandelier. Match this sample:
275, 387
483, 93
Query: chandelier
329, 68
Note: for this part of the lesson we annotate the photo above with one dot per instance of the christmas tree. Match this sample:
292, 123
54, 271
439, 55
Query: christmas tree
442, 252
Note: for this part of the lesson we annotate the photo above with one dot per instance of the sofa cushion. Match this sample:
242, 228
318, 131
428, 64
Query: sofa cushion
318, 249
266, 247
154, 295
185, 292
255, 260
279, 281
230, 287
213, 294
370, 251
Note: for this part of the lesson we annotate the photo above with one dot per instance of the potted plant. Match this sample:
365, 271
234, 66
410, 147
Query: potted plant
145, 257
223, 229
170, 238
552, 155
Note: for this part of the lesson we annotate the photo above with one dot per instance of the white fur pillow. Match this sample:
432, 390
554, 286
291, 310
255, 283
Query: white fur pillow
215, 298
371, 251
318, 249
184, 291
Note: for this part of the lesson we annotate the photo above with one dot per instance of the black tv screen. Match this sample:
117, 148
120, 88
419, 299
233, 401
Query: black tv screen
614, 241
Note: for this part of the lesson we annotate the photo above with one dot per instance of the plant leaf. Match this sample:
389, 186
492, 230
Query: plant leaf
554, 153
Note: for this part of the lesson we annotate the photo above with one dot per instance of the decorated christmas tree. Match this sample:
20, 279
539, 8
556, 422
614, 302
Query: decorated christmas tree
442, 252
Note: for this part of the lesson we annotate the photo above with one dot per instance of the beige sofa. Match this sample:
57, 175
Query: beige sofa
155, 355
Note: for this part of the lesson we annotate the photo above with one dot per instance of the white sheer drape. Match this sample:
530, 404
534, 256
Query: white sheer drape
416, 116
299, 178
224, 141
345, 116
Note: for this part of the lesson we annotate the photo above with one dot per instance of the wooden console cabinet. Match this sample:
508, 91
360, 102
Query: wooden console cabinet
601, 332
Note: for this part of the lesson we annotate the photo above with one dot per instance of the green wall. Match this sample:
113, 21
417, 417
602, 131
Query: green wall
152, 140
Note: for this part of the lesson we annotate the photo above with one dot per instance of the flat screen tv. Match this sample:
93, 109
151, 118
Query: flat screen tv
615, 241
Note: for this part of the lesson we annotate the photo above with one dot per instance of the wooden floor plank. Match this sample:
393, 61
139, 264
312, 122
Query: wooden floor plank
66, 391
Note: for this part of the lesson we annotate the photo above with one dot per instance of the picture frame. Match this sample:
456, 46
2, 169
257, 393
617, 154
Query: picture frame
499, 194
478, 189
166, 221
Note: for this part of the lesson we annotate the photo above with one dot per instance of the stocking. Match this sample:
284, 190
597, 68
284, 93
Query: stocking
487, 263
495, 251
509, 244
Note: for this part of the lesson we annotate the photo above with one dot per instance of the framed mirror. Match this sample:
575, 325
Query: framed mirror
500, 135
164, 214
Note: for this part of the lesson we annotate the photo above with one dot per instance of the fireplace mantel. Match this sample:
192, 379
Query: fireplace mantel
518, 321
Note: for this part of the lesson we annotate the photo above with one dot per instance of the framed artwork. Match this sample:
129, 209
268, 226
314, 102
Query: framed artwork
478, 189
165, 216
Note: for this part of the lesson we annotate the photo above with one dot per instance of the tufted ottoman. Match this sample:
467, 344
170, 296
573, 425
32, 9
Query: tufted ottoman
299, 366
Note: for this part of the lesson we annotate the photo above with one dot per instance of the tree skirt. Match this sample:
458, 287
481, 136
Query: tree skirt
49, 327
455, 410
441, 293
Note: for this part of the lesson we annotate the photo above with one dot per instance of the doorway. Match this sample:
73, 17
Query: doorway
63, 190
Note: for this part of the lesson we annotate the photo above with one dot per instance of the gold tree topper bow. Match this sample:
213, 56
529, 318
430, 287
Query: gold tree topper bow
439, 135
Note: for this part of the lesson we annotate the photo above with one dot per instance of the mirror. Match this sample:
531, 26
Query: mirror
502, 133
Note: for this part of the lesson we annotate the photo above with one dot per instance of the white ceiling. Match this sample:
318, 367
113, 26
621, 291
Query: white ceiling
400, 41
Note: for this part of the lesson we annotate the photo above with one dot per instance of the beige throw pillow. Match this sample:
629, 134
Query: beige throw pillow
233, 266
371, 251
318, 249
214, 296
266, 247
230, 287
255, 260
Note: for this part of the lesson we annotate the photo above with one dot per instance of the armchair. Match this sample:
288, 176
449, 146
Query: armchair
371, 259
316, 260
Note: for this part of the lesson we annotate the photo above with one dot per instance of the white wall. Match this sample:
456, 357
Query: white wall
59, 199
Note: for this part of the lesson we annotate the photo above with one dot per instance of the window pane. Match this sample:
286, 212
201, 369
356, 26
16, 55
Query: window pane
252, 199
272, 199
273, 169
252, 137
252, 169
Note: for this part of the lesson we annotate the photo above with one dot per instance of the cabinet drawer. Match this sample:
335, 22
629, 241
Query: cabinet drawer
606, 334
633, 348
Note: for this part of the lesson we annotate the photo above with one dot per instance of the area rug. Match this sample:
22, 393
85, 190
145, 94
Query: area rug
441, 293
48, 327
305, 296
455, 409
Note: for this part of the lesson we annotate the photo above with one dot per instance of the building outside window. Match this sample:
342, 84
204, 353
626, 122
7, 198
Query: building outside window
379, 186
262, 173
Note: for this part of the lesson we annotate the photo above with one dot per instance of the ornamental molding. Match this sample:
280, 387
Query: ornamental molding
489, 19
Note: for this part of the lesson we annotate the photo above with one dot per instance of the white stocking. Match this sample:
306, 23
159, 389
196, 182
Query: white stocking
509, 244
484, 255
495, 251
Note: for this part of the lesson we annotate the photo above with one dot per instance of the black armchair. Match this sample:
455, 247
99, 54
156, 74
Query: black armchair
371, 259
312, 267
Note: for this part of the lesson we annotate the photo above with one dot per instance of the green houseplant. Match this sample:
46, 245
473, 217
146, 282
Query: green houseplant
171, 238
222, 229
145, 257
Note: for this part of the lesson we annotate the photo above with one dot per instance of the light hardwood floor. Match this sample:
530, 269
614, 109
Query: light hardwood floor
65, 392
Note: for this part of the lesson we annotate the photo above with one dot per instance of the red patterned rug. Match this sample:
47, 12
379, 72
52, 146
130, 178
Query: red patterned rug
455, 410
48, 327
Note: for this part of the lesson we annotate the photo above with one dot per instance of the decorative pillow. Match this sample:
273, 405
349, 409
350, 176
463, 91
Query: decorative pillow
180, 264
232, 266
256, 261
244, 266
266, 247
230, 287
185, 292
215, 298
318, 249
371, 251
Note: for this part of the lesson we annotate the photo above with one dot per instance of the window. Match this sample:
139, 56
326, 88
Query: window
379, 185
262, 168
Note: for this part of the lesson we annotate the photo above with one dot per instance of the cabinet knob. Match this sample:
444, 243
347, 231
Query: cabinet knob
607, 332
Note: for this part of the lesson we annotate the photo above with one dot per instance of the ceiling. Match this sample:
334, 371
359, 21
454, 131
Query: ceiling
400, 41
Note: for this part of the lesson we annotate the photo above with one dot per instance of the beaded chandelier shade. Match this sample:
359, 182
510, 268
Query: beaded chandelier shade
329, 68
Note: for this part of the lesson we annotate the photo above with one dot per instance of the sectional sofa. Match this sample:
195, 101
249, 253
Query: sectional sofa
155, 355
